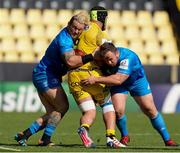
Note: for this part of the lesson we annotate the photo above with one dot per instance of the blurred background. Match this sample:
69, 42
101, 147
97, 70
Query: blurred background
151, 28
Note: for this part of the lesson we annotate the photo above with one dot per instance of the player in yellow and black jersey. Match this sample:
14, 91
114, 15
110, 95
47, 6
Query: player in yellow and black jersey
85, 96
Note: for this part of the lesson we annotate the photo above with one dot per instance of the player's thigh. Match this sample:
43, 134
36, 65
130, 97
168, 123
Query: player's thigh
146, 104
81, 96
119, 95
48, 107
119, 102
61, 100
57, 99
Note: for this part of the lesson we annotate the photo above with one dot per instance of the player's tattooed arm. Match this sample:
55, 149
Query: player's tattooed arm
68, 55
72, 60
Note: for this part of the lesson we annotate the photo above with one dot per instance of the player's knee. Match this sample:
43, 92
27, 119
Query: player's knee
119, 113
91, 114
150, 112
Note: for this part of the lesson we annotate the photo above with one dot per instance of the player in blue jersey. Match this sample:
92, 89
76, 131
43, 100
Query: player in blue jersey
47, 78
125, 73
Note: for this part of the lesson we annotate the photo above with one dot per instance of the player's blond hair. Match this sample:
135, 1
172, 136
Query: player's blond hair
82, 17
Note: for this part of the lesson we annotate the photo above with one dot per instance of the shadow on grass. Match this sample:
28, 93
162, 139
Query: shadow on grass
35, 145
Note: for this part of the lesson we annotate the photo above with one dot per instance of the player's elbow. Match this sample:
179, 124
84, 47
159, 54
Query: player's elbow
70, 64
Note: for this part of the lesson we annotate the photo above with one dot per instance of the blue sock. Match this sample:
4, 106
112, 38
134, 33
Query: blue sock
34, 127
49, 130
122, 126
159, 125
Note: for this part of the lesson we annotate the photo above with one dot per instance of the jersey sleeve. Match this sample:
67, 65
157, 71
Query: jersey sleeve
126, 65
65, 43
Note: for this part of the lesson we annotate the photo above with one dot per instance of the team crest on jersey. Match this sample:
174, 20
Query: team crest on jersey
124, 64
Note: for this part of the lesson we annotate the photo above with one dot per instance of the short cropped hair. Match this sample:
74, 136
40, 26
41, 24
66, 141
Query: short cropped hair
82, 18
105, 47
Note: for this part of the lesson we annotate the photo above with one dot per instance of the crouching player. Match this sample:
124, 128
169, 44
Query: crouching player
126, 74
85, 96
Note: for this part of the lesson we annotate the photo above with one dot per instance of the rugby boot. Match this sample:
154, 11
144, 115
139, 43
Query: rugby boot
171, 143
86, 140
21, 139
125, 140
113, 142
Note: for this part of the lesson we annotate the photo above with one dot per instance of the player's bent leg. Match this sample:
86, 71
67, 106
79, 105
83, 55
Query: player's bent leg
57, 99
22, 137
87, 107
148, 107
36, 126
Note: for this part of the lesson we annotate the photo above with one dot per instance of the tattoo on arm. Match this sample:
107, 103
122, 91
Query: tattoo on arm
68, 55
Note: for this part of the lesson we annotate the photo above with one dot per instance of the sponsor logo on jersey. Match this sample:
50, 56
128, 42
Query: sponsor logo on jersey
124, 64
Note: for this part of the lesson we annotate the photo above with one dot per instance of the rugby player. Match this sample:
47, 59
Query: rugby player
86, 97
47, 77
126, 74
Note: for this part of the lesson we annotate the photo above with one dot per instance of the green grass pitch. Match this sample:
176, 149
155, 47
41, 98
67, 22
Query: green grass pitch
143, 137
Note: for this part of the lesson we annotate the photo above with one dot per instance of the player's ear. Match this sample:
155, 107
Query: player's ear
117, 54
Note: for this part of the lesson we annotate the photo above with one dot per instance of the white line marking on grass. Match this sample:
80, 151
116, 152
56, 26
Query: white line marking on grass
138, 134
10, 149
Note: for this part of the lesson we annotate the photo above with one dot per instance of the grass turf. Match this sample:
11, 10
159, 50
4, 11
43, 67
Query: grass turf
143, 137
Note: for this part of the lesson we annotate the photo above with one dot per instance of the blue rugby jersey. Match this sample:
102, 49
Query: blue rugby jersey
130, 64
52, 60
